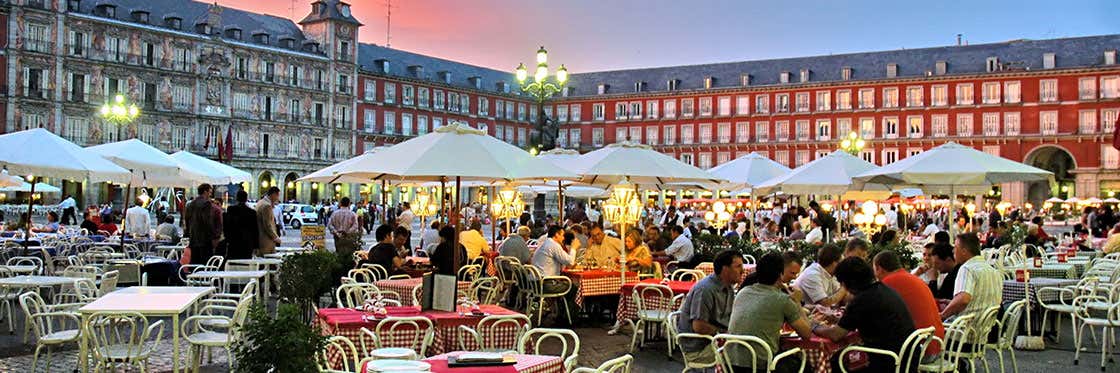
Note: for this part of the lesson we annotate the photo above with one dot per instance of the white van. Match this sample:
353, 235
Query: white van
297, 215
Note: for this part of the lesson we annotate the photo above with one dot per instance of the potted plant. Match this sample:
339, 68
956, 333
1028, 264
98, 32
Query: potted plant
304, 277
282, 344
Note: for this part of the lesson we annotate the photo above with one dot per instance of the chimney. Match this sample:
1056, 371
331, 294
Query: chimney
958, 40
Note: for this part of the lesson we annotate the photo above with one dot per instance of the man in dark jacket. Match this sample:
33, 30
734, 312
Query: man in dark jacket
203, 219
240, 229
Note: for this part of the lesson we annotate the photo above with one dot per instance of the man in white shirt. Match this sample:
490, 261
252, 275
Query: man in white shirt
137, 221
592, 214
978, 285
815, 235
672, 217
892, 218
931, 229
681, 248
68, 206
406, 217
551, 257
817, 281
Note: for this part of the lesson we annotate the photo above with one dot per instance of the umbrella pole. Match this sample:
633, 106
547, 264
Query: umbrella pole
458, 227
494, 223
127, 195
384, 206
30, 203
560, 200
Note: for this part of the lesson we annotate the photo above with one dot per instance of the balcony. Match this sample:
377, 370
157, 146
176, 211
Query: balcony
36, 93
41, 46
76, 96
346, 89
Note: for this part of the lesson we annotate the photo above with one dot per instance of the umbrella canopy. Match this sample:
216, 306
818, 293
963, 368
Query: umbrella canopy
1111, 200
748, 171
26, 187
7, 180
948, 167
1056, 200
327, 174
567, 159
40, 152
574, 191
209, 171
1093, 200
449, 152
831, 174
640, 164
1073, 200
149, 166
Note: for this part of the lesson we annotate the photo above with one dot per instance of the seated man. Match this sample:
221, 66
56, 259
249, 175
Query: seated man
978, 285
516, 245
876, 311
762, 308
914, 292
603, 250
680, 249
473, 240
707, 307
551, 258
856, 248
817, 281
167, 229
945, 268
88, 224
384, 253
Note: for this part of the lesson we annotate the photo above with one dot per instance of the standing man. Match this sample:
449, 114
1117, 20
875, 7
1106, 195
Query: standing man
67, 205
406, 216
266, 222
137, 220
344, 226
241, 229
707, 307
203, 218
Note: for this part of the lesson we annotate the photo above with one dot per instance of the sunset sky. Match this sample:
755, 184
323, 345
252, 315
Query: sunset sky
596, 35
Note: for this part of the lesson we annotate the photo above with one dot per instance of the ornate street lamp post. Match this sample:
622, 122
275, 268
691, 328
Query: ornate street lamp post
541, 88
621, 209
121, 113
853, 144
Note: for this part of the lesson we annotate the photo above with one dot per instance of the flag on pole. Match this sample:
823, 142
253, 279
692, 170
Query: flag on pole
229, 144
1116, 133
221, 149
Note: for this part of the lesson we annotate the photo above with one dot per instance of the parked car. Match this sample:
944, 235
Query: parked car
298, 215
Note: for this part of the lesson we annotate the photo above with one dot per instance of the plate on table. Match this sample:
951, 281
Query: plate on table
393, 365
480, 359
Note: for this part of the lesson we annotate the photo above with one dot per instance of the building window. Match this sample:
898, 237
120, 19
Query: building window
390, 93
824, 100
1110, 157
890, 97
562, 113
1048, 90
742, 105
406, 124
914, 126
844, 100
687, 107
1011, 92
620, 134
1087, 88
1108, 120
802, 129
742, 132
422, 97
843, 127
722, 157
371, 90
802, 102
370, 120
652, 133
1048, 122
522, 138
964, 94
890, 156
991, 124
687, 158
824, 130
574, 113
575, 138
782, 157
620, 111
484, 107
939, 95
964, 125
439, 101
652, 109
1087, 122
407, 94
705, 106
762, 104
782, 102
1011, 124
521, 108
670, 135
1110, 87
914, 96
686, 134
890, 127
670, 109
597, 137
781, 130
597, 110
867, 98
867, 155
867, 128
724, 106
762, 131
724, 133
991, 93
939, 124
390, 123
801, 157
561, 141
635, 110
636, 134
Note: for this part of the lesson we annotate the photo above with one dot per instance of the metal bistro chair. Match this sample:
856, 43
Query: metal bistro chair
707, 340
691, 275
485, 290
752, 346
952, 346
365, 275
122, 338
1064, 305
52, 328
8, 295
405, 338
1008, 329
209, 329
537, 294
909, 355
349, 361
617, 365
212, 264
379, 272
491, 326
977, 337
1089, 309
507, 267
354, 295
532, 340
654, 304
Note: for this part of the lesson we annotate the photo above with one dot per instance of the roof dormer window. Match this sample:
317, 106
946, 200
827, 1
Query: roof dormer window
709, 82
603, 88
445, 77
671, 84
476, 82
783, 77
106, 10
382, 65
261, 37
745, 80
416, 71
992, 64
173, 22
846, 73
140, 16
234, 33
639, 86
73, 5
804, 75
311, 46
203, 28
288, 43
892, 70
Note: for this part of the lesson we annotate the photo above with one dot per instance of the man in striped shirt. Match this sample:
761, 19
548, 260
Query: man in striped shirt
978, 285
344, 226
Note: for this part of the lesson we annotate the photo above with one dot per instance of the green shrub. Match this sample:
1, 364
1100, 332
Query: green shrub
284, 344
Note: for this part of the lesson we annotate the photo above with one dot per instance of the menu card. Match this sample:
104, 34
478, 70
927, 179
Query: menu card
439, 292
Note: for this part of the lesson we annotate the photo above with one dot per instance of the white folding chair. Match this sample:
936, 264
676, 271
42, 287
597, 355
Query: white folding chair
491, 326
122, 338
532, 341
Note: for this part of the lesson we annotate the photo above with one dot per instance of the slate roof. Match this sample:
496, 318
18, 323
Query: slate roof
328, 10
399, 62
193, 12
968, 59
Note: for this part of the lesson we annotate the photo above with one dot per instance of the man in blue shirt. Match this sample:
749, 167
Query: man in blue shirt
551, 257
707, 307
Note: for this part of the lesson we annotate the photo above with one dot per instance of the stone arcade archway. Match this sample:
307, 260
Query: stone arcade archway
1055, 159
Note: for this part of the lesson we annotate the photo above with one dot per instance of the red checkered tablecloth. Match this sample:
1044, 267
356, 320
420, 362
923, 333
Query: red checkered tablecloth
819, 351
525, 364
404, 288
590, 283
709, 269
628, 309
349, 322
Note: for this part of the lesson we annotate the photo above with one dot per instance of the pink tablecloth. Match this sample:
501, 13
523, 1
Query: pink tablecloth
590, 283
348, 323
819, 351
709, 269
628, 309
525, 364
404, 288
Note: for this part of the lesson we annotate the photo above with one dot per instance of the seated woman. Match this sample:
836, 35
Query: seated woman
51, 226
88, 224
443, 258
638, 257
109, 226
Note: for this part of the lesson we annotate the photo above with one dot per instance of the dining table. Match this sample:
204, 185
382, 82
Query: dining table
348, 322
595, 282
819, 351
628, 308
150, 301
404, 288
524, 364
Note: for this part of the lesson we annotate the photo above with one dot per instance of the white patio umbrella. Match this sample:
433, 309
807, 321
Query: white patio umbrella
951, 168
1093, 201
1055, 200
208, 170
27, 187
7, 180
327, 174
149, 167
454, 152
39, 152
745, 172
1111, 200
831, 174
